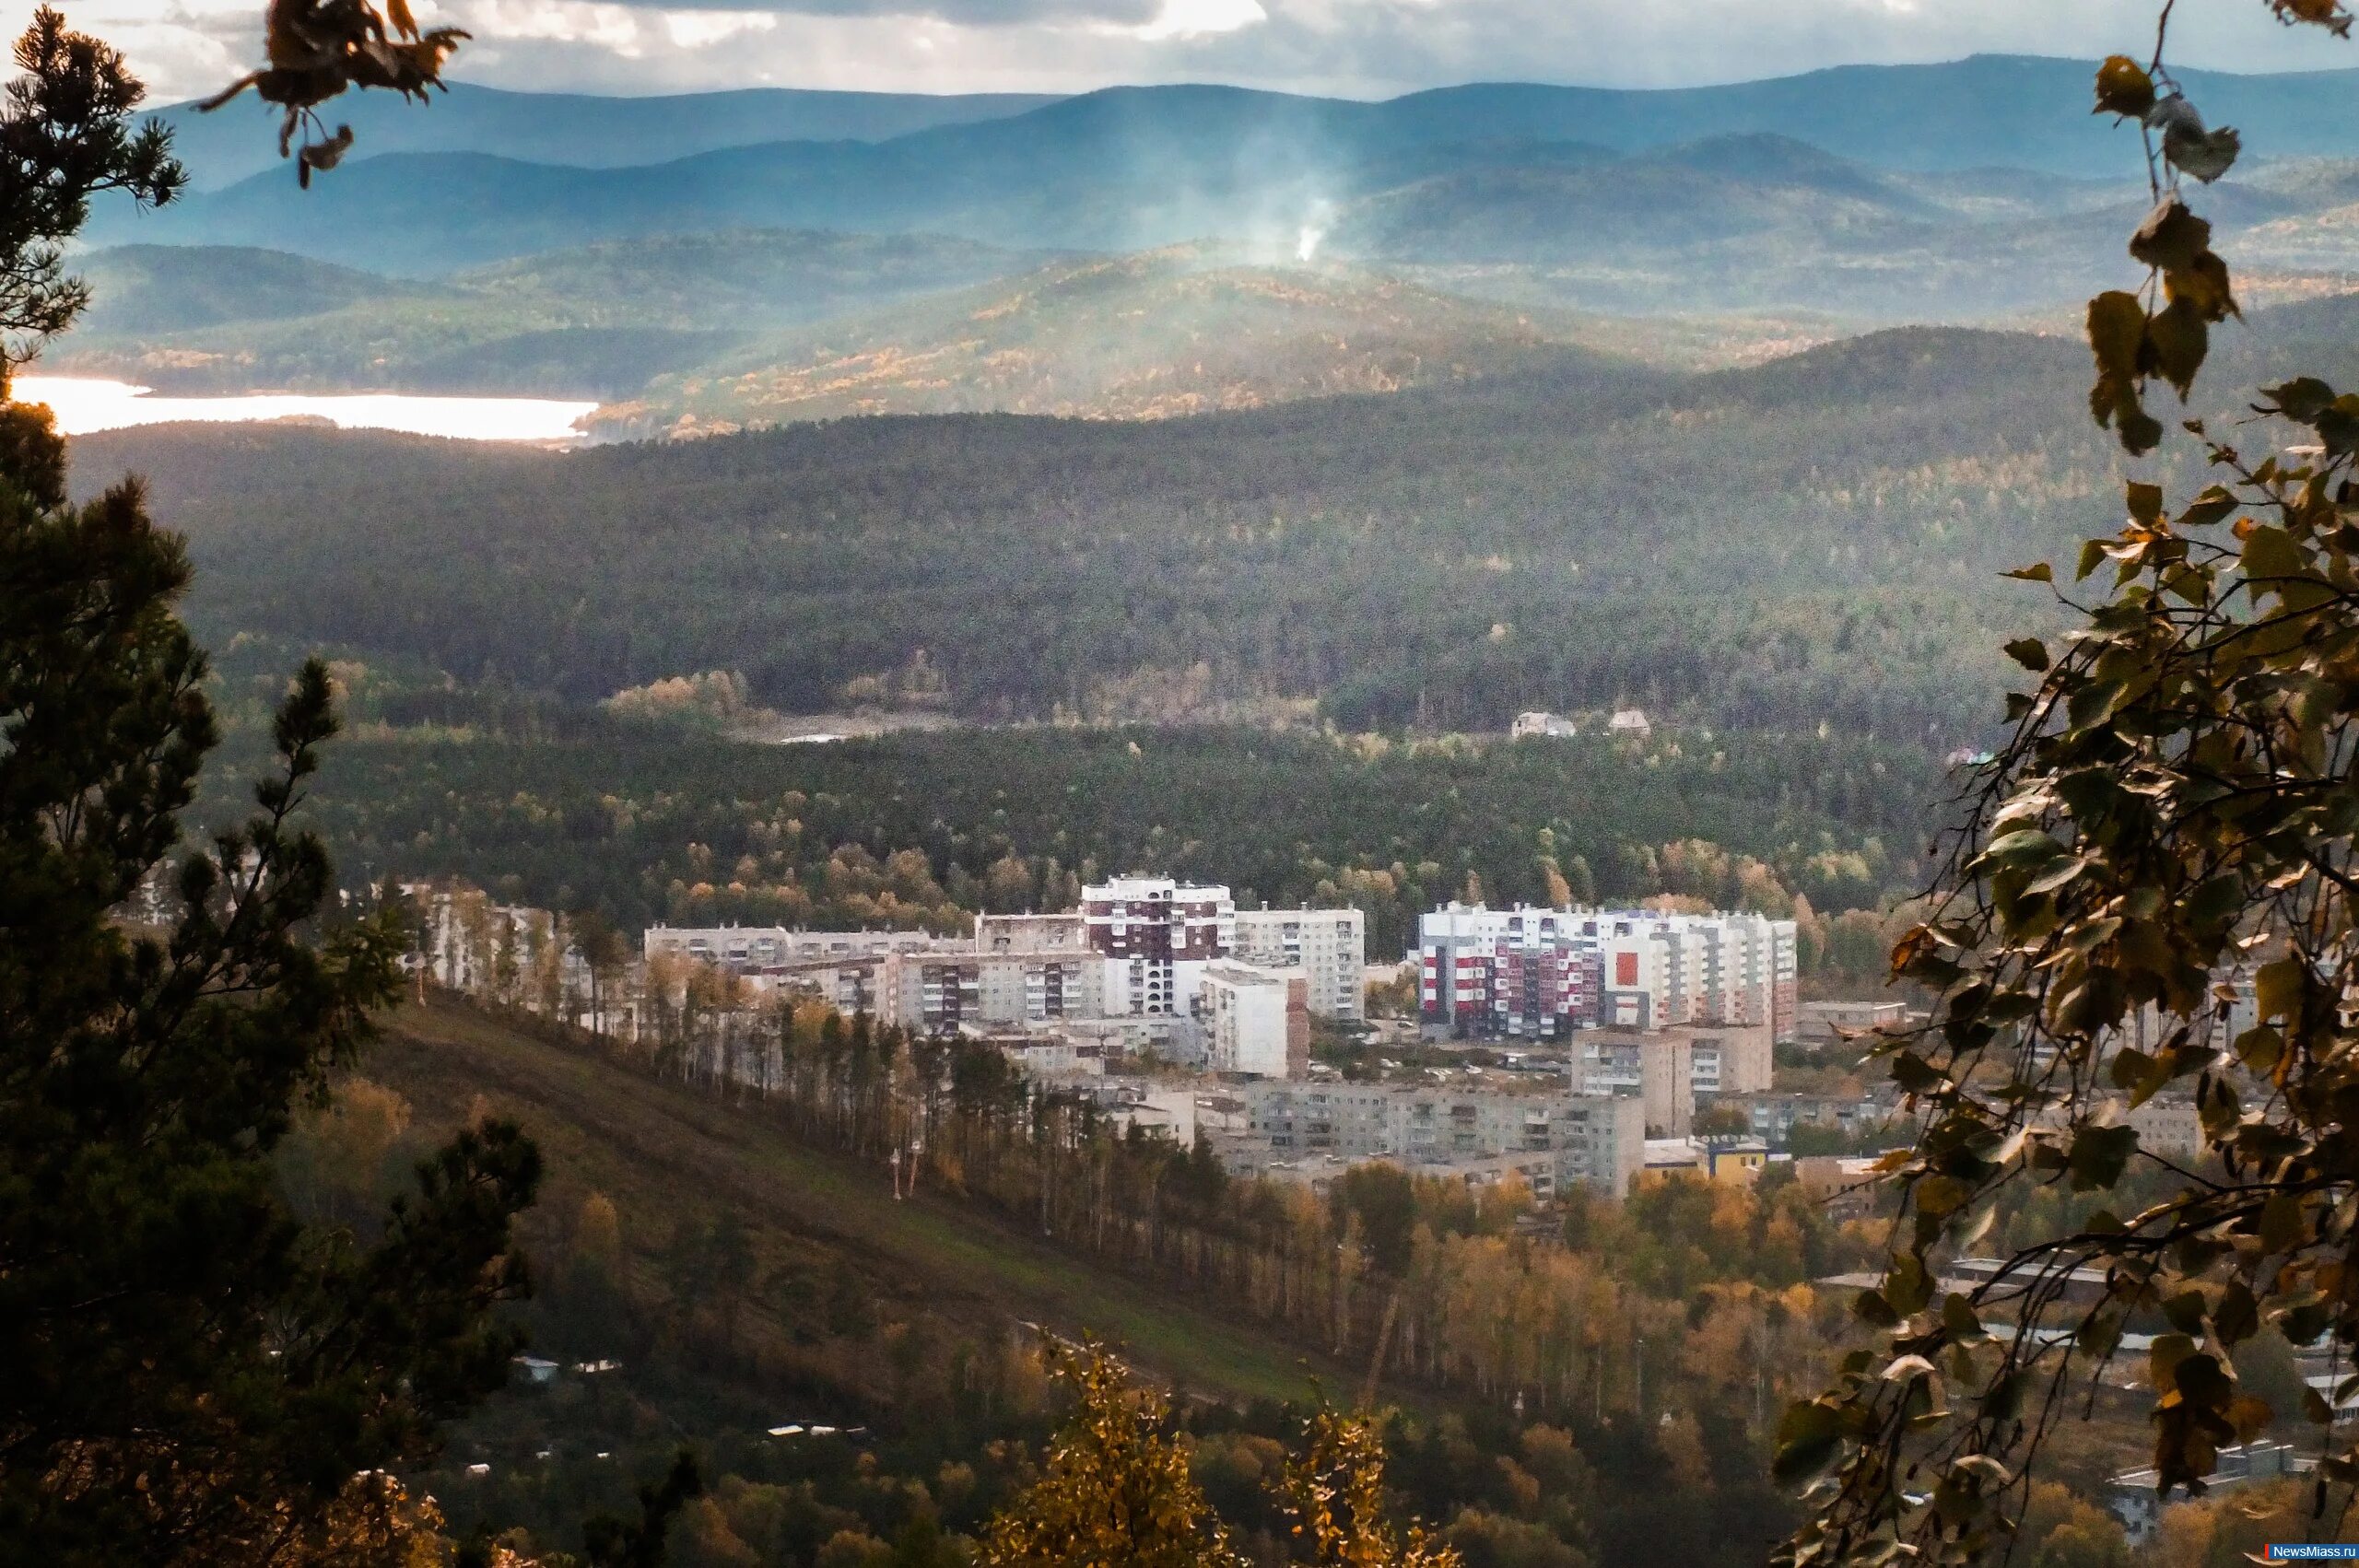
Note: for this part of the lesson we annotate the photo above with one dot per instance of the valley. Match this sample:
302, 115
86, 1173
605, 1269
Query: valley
1561, 801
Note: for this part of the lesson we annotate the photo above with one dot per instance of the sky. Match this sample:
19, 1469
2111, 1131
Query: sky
1358, 48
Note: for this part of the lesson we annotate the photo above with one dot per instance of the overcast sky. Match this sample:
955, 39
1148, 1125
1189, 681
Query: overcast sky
1363, 48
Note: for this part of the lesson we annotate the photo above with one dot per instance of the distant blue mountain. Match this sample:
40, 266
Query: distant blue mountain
1135, 167
582, 129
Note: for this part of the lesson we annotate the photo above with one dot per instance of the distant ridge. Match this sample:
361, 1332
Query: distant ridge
485, 176
2020, 111
586, 130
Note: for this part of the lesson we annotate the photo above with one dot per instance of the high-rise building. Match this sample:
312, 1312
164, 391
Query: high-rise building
1154, 936
1253, 1021
1329, 946
1539, 973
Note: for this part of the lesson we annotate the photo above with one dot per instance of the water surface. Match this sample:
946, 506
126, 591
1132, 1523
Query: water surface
85, 403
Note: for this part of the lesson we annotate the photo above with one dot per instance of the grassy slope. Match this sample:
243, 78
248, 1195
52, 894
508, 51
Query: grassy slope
657, 1150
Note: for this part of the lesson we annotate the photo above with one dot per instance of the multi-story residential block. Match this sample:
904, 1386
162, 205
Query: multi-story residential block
1329, 946
1772, 1115
939, 993
466, 941
1506, 973
1602, 1142
1541, 973
1032, 933
1138, 949
1658, 1069
1154, 936
1597, 1140
1253, 1021
755, 950
1730, 1058
1373, 1120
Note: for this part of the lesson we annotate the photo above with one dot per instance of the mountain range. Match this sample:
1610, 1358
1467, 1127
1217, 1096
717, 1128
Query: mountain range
1128, 167
1143, 252
583, 129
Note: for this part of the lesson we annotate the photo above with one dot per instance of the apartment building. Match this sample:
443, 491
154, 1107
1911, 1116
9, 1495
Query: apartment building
1329, 946
1772, 1115
1597, 1140
755, 950
465, 940
1506, 973
1657, 1070
1822, 1022
1601, 1143
1730, 1058
1153, 937
940, 993
1253, 1021
1541, 973
1032, 933
1377, 1121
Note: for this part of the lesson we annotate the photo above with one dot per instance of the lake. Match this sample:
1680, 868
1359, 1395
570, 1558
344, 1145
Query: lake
85, 403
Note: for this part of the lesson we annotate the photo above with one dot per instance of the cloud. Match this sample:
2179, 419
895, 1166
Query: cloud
1196, 19
1357, 47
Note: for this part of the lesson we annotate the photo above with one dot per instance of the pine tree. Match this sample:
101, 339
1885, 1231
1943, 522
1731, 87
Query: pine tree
187, 1374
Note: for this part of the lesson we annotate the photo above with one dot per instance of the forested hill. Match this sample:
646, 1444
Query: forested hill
1812, 540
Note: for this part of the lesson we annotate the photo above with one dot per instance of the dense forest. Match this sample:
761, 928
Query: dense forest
920, 830
1811, 542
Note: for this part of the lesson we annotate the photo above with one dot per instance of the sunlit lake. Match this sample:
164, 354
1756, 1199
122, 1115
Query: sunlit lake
88, 404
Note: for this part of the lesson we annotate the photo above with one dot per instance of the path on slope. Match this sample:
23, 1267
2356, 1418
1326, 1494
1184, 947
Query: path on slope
660, 1145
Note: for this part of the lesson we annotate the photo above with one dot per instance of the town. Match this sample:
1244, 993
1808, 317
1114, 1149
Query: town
1554, 1047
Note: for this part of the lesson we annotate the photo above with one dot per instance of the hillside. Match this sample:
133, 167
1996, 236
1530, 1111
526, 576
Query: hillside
1811, 540
663, 1154
1147, 336
598, 320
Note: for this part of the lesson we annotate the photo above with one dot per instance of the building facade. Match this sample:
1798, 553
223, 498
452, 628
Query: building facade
1657, 1070
1329, 946
1543, 974
1253, 1021
1153, 937
940, 993
1596, 1141
1601, 1143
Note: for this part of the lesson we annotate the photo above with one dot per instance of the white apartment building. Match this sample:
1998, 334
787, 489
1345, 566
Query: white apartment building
1154, 936
1495, 974
465, 940
1329, 946
1253, 1021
